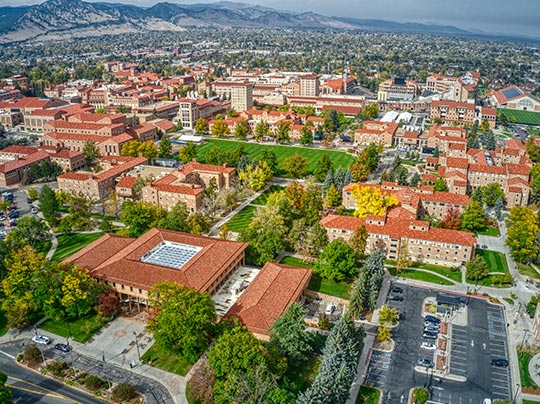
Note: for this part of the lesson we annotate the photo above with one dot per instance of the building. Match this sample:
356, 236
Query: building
240, 93
376, 132
452, 112
309, 85
397, 89
452, 88
513, 97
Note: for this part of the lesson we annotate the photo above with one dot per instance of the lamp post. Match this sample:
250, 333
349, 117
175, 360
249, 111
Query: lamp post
137, 343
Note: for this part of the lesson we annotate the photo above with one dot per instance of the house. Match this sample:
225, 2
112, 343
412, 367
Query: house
376, 132
513, 97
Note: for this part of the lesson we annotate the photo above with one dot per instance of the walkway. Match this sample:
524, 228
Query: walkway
534, 369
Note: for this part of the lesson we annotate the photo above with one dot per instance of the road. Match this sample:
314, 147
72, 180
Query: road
30, 387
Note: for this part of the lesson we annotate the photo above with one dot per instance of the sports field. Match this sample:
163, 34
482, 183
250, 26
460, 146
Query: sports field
525, 117
282, 152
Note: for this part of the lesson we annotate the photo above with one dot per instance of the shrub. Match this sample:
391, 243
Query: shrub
32, 354
58, 368
94, 382
420, 395
123, 392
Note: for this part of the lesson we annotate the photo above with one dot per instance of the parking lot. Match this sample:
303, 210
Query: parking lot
471, 348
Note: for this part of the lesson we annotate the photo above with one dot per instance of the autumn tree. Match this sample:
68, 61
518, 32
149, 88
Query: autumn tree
296, 165
262, 130
256, 177
134, 148
241, 129
403, 258
452, 219
358, 241
332, 196
220, 129
79, 292
371, 201
108, 303
282, 132
201, 126
522, 234
384, 333
387, 315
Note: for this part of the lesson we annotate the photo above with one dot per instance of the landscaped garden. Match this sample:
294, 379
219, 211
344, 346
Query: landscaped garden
255, 150
242, 219
81, 329
496, 261
497, 266
368, 395
524, 357
489, 231
69, 244
527, 270
262, 199
420, 276
166, 359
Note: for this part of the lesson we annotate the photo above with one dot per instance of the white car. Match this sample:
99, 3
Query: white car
428, 345
41, 339
329, 309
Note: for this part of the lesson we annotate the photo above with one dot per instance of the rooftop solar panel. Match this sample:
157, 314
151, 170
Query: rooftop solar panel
511, 93
171, 255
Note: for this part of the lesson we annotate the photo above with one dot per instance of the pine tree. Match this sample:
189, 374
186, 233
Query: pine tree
348, 177
415, 180
327, 181
339, 179
358, 294
499, 207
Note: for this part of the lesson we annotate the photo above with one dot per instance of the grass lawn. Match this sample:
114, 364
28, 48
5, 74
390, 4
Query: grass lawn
261, 199
452, 273
413, 162
303, 374
81, 329
166, 360
496, 261
490, 231
508, 300
420, 276
3, 324
530, 402
524, 358
368, 395
318, 284
44, 247
282, 152
526, 117
534, 132
69, 244
527, 270
241, 220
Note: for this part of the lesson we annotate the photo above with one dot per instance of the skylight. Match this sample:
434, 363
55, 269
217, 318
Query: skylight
171, 255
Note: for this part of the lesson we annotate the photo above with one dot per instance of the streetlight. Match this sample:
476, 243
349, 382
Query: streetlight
137, 343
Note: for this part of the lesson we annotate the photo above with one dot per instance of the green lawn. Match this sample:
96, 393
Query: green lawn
413, 162
255, 150
3, 323
490, 231
166, 360
69, 244
525, 117
452, 273
368, 395
534, 132
496, 261
524, 358
530, 402
261, 199
318, 284
420, 276
527, 270
81, 330
301, 375
242, 219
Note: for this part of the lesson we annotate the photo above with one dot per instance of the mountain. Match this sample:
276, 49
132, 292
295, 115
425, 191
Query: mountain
61, 19
412, 27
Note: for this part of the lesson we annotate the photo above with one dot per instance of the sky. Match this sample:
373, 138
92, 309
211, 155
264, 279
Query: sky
519, 17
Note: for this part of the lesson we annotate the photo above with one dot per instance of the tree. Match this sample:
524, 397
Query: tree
201, 126
91, 152
332, 197
79, 292
134, 148
33, 193
5, 393
371, 201
296, 165
476, 268
358, 294
311, 203
403, 258
420, 395
331, 120
522, 234
176, 219
337, 262
489, 141
384, 333
220, 129
188, 152
109, 304
492, 192
29, 230
124, 392
358, 241
415, 180
371, 111
271, 159
472, 218
324, 165
306, 136
139, 217
498, 208
165, 148
112, 205
262, 130
241, 129
201, 382
440, 185
387, 315
185, 320
283, 129
452, 219
316, 239
48, 205
289, 335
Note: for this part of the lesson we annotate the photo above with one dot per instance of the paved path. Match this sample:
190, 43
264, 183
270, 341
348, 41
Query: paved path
54, 246
534, 369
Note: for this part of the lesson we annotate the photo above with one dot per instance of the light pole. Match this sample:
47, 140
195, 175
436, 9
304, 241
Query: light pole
137, 344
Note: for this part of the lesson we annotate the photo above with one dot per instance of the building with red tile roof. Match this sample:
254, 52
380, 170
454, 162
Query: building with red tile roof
376, 132
513, 97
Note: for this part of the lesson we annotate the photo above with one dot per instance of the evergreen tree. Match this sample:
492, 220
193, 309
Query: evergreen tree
415, 180
358, 294
323, 166
339, 179
348, 177
489, 141
165, 147
499, 207
436, 151
329, 180
477, 195
48, 205
289, 335
243, 162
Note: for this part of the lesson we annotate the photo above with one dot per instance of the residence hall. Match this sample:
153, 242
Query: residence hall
131, 266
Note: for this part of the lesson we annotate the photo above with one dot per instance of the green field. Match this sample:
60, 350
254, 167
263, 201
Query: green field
422, 276
524, 358
81, 330
318, 284
261, 199
368, 395
282, 152
490, 231
454, 274
525, 117
496, 261
242, 219
166, 360
69, 244
527, 270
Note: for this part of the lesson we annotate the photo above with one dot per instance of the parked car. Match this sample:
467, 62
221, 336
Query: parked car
396, 298
428, 345
499, 362
13, 222
34, 210
330, 307
430, 324
13, 214
396, 289
63, 347
428, 363
432, 319
41, 339
429, 335
3, 234
432, 330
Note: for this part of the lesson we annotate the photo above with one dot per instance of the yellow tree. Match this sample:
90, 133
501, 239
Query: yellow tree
78, 292
371, 201
403, 259
220, 129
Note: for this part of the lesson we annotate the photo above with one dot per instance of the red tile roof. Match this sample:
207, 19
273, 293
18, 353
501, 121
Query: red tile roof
457, 162
195, 166
126, 182
486, 169
23, 162
16, 149
269, 295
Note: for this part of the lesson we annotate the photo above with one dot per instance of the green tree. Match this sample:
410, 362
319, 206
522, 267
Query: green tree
316, 239
420, 395
498, 208
296, 165
337, 262
176, 219
29, 230
311, 203
33, 193
165, 148
201, 126
384, 333
477, 268
220, 129
139, 217
262, 130
271, 159
79, 292
48, 205
357, 302
492, 192
415, 180
185, 320
289, 335
282, 134
188, 152
241, 129
472, 218
306, 136
358, 241
324, 165
387, 315
5, 393
331, 121
332, 197
522, 234
440, 185
91, 152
